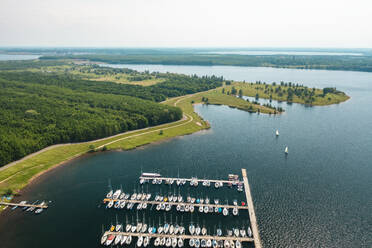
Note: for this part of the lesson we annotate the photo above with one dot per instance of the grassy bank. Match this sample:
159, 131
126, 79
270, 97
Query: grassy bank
20, 174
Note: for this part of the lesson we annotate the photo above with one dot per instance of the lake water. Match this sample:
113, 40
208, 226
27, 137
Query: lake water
318, 196
18, 56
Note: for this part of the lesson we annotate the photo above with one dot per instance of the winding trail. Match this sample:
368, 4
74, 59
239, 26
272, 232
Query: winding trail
157, 128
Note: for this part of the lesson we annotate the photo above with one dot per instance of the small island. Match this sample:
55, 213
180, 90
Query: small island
287, 92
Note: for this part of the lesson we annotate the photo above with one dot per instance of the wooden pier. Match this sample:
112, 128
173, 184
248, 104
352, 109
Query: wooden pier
106, 200
23, 205
182, 236
252, 214
190, 179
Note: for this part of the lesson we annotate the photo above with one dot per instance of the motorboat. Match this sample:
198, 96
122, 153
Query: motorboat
123, 239
180, 243
109, 205
144, 228
197, 243
225, 212
118, 227
162, 241
110, 239
192, 229
236, 232
192, 208
116, 195
146, 241
238, 244
249, 232
205, 209
129, 240
138, 227
134, 196
168, 242
117, 239
197, 230
128, 227
235, 211
226, 244
174, 242
109, 194
204, 231
166, 228
209, 243
148, 196
157, 241
103, 239
139, 241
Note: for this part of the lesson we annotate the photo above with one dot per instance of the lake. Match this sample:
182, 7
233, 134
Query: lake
18, 56
318, 196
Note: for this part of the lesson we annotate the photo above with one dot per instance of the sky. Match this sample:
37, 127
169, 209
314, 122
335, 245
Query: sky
186, 23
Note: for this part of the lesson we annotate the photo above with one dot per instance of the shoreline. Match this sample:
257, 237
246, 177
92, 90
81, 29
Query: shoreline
189, 124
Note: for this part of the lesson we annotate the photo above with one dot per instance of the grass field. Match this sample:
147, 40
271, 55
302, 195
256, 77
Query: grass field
87, 72
265, 90
20, 174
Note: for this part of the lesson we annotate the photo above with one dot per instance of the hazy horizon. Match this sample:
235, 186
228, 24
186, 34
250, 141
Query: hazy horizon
186, 24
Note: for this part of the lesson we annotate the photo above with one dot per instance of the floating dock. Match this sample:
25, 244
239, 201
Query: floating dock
23, 205
182, 236
252, 214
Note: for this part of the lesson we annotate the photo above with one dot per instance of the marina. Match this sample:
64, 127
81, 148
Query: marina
174, 235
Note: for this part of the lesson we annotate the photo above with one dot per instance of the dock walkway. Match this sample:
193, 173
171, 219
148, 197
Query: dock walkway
252, 214
23, 205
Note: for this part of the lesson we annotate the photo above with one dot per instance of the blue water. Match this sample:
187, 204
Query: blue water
318, 196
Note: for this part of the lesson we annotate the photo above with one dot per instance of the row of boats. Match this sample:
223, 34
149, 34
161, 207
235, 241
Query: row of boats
165, 235
120, 199
193, 182
30, 208
155, 178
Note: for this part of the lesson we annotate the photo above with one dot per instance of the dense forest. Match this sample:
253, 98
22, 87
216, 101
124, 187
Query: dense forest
174, 85
326, 62
38, 109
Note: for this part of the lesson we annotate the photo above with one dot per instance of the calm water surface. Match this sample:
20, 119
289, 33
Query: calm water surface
318, 196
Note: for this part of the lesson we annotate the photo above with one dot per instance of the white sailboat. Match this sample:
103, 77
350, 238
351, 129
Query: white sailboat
277, 132
286, 150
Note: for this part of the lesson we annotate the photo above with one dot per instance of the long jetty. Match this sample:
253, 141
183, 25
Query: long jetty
252, 214
182, 236
106, 200
23, 205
